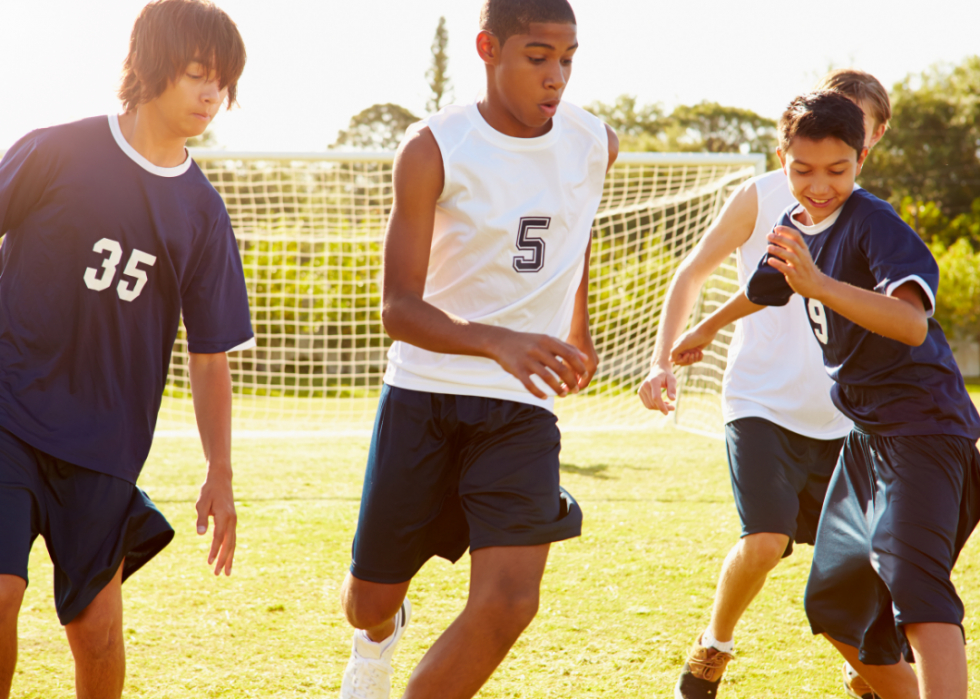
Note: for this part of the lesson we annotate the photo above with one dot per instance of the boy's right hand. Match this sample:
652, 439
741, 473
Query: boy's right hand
557, 363
659, 381
689, 348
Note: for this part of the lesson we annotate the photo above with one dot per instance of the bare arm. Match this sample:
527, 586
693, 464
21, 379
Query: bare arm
580, 335
211, 388
901, 316
733, 227
690, 347
419, 180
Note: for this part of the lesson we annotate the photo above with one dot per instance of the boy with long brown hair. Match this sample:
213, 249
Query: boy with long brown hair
111, 232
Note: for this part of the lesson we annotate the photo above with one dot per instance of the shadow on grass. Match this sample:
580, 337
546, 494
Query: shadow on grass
598, 471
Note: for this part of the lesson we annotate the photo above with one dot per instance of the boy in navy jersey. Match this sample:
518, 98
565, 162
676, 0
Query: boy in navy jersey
906, 494
485, 294
110, 232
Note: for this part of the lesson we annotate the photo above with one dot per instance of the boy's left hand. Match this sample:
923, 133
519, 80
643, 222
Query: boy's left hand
585, 345
795, 262
217, 500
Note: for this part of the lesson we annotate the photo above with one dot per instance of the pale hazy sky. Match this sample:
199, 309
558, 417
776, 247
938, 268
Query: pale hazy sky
313, 64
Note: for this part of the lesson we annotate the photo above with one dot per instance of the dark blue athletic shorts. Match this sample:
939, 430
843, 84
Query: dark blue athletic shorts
898, 512
90, 522
779, 478
448, 472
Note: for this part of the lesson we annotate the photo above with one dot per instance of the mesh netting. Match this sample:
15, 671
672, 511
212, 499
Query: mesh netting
310, 231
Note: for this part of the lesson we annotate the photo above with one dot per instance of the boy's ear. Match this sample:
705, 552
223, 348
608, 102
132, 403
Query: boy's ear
488, 47
862, 156
878, 134
782, 158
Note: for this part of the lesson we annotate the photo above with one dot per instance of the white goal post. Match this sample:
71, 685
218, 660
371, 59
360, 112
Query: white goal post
310, 228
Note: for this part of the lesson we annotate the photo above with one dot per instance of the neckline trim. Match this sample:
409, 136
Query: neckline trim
816, 228
512, 142
133, 155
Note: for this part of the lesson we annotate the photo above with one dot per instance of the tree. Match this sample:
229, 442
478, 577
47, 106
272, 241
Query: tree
932, 150
438, 75
640, 128
709, 126
379, 127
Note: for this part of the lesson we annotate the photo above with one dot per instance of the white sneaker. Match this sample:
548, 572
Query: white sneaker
369, 671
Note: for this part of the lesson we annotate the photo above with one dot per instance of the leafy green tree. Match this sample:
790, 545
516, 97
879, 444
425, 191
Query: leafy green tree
438, 74
640, 128
958, 300
712, 127
932, 150
379, 127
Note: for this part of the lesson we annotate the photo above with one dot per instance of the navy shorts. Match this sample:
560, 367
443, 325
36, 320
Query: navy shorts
446, 473
779, 478
898, 512
90, 521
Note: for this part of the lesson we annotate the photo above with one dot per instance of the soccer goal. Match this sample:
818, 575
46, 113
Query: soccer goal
310, 229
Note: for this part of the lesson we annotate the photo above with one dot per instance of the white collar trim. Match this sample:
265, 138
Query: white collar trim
140, 160
818, 227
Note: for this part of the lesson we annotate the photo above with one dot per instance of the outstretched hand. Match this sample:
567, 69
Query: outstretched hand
689, 348
659, 389
789, 254
217, 501
562, 366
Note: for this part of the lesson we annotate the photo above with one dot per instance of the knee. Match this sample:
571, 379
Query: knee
12, 590
509, 612
95, 635
370, 605
764, 551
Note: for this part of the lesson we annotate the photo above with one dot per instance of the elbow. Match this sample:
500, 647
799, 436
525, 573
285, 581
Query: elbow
391, 320
919, 334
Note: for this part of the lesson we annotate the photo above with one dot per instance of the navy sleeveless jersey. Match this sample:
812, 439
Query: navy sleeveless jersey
886, 387
101, 251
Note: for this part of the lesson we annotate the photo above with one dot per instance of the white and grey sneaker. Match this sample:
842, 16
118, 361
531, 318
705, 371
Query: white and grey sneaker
369, 670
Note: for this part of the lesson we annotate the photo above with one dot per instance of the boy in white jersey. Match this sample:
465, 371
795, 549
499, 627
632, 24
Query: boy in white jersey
783, 432
485, 292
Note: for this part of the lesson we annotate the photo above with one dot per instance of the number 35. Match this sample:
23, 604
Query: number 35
101, 282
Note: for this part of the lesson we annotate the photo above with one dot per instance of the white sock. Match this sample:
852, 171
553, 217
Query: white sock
709, 641
850, 669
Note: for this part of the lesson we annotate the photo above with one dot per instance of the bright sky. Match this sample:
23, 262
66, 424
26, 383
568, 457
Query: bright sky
314, 63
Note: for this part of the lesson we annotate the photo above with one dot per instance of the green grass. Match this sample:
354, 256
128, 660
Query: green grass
620, 605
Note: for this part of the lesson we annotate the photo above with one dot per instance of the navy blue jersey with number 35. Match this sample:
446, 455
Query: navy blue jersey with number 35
886, 387
101, 252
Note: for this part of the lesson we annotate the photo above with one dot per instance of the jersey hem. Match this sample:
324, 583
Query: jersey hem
219, 347
801, 430
918, 430
409, 384
42, 446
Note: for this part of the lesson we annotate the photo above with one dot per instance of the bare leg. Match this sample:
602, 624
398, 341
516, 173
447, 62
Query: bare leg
505, 584
742, 578
372, 606
889, 681
941, 656
96, 640
11, 596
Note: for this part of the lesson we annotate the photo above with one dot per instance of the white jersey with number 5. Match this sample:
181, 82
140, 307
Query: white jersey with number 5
511, 230
775, 365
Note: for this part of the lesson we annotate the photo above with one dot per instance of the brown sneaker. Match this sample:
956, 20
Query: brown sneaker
702, 673
856, 686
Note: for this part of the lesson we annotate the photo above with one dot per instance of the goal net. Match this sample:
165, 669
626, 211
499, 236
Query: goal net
310, 229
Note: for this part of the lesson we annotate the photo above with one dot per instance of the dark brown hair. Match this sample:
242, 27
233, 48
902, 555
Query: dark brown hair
819, 115
171, 34
861, 87
505, 18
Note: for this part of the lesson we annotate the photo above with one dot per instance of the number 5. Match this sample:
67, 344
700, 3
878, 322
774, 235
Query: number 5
531, 244
138, 256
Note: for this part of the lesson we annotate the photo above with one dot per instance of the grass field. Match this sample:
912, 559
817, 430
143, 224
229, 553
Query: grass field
620, 605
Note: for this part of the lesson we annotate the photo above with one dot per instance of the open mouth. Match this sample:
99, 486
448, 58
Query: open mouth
549, 108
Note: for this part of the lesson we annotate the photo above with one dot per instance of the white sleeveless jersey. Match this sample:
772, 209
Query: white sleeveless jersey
775, 366
508, 247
